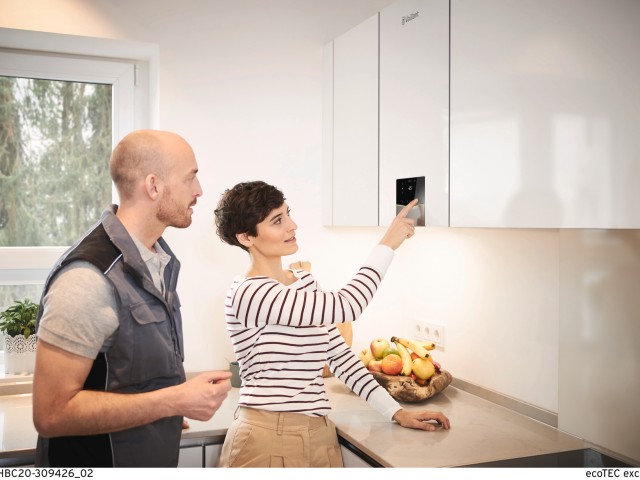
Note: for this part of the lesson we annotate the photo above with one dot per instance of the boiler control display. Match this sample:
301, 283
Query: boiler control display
406, 190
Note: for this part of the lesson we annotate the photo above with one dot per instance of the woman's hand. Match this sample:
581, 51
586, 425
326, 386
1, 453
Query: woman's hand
420, 419
300, 265
401, 228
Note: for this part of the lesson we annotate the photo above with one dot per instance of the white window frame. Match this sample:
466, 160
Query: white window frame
34, 65
130, 67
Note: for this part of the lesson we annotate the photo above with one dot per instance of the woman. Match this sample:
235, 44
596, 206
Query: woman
282, 327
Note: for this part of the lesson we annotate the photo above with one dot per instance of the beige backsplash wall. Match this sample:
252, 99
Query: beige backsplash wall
599, 368
496, 293
544, 316
550, 317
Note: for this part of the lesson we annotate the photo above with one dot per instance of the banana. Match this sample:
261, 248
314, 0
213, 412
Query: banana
411, 345
427, 345
407, 364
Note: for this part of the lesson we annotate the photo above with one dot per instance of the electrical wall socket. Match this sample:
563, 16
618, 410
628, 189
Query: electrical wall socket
430, 332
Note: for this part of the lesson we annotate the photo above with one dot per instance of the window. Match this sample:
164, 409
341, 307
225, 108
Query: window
55, 141
60, 116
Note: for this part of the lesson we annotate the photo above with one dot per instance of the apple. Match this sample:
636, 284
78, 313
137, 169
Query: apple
365, 356
423, 368
414, 355
375, 366
437, 366
391, 364
389, 351
378, 346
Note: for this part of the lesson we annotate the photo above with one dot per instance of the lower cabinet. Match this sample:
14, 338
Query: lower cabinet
200, 456
212, 455
351, 460
353, 457
190, 457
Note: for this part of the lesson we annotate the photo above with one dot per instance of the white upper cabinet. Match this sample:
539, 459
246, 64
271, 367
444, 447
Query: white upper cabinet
350, 124
518, 114
414, 104
545, 113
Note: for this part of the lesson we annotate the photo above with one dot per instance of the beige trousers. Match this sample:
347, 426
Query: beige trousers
259, 438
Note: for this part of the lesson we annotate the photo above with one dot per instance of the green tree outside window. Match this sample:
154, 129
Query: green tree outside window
55, 142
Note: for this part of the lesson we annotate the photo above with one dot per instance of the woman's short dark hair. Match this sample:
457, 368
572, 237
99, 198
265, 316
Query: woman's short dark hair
243, 207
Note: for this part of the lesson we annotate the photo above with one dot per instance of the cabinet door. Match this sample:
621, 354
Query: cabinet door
190, 457
414, 104
351, 460
545, 110
351, 127
212, 455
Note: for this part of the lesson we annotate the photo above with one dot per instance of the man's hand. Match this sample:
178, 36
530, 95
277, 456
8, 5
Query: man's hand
201, 396
61, 406
420, 420
401, 228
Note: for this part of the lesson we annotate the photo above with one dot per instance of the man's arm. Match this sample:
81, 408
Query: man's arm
62, 407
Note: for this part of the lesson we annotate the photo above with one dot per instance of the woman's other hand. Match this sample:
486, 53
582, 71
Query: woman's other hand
420, 420
401, 228
300, 265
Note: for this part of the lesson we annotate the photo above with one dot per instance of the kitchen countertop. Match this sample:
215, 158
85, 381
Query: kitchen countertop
481, 431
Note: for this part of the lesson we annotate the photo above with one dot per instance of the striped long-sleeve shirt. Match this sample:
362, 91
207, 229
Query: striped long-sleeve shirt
284, 335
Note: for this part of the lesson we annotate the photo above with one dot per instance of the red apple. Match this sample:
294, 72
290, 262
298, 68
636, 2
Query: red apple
375, 365
414, 355
391, 364
437, 366
423, 368
378, 346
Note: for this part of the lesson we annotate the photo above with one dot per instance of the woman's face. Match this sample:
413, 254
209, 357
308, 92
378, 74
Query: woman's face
276, 234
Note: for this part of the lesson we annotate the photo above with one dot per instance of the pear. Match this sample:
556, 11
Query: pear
365, 356
423, 368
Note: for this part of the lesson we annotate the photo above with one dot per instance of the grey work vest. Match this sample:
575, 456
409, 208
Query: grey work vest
147, 354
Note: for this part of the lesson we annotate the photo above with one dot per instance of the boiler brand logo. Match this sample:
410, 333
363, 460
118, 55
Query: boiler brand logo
408, 18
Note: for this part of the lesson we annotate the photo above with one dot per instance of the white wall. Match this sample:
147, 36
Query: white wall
242, 82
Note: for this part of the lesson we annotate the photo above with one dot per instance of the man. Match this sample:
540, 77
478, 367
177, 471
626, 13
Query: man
109, 385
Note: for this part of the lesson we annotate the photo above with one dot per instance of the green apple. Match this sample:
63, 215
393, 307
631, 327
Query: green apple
389, 351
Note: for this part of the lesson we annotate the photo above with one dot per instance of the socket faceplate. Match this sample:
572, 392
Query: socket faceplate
430, 332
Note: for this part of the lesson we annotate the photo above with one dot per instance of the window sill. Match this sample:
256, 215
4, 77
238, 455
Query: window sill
14, 383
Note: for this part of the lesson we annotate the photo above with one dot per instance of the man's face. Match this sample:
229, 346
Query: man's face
181, 189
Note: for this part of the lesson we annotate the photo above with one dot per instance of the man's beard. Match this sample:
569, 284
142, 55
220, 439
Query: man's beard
172, 214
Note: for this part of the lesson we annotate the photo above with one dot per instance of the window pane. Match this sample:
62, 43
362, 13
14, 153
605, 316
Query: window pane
55, 143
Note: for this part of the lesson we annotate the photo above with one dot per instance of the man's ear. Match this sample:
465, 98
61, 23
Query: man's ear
152, 186
244, 239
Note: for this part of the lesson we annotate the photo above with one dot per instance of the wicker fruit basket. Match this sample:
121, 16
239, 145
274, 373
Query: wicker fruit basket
405, 389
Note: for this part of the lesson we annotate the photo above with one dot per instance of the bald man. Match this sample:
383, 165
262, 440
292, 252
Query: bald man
109, 386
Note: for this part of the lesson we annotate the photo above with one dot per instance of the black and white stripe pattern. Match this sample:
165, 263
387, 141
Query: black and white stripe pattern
283, 336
